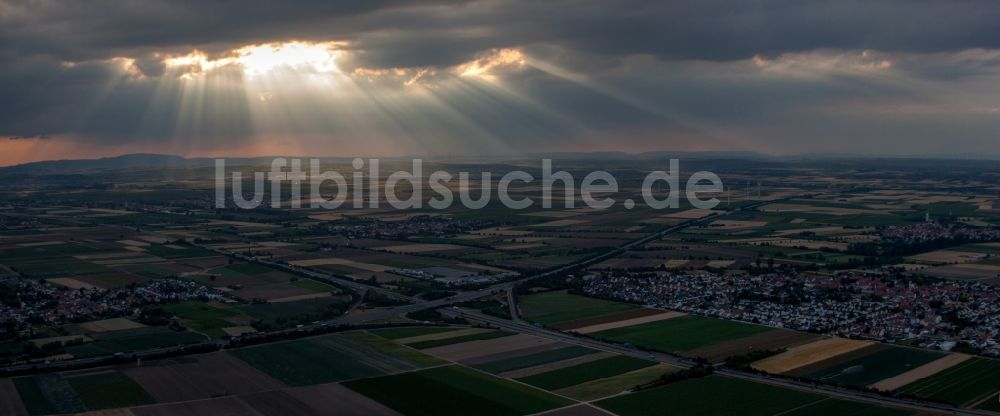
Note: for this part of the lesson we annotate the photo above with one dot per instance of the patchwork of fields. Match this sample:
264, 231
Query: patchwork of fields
380, 371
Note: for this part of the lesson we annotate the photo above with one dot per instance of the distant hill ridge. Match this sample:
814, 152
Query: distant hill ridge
152, 160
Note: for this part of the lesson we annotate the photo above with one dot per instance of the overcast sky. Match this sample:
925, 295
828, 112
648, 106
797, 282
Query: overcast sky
383, 77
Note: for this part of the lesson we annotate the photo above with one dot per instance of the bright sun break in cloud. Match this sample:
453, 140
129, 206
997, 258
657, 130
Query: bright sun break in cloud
299, 58
257, 60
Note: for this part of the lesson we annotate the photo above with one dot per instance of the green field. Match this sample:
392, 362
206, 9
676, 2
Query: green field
320, 360
202, 317
834, 407
991, 403
393, 349
48, 393
299, 312
133, 339
684, 333
455, 390
560, 306
108, 390
582, 373
411, 331
314, 285
32, 396
420, 345
712, 395
531, 360
872, 368
965, 383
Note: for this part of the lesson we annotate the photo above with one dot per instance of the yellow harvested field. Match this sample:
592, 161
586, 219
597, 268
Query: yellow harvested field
675, 263
719, 264
342, 262
63, 339
441, 335
70, 283
301, 297
926, 370
810, 353
628, 322
948, 256
421, 248
113, 324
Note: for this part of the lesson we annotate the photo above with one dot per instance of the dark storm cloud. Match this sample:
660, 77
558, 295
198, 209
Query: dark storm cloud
444, 32
654, 70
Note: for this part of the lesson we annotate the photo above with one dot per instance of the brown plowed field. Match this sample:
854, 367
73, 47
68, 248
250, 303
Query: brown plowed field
199, 377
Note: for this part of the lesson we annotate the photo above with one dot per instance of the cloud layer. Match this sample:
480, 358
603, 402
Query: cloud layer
437, 77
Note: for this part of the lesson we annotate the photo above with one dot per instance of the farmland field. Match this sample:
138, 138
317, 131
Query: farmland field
198, 377
133, 339
560, 306
108, 390
966, 382
681, 334
702, 397
455, 390
321, 360
421, 345
880, 365
32, 396
582, 373
48, 393
407, 332
531, 360
990, 403
808, 354
605, 387
10, 400
773, 339
393, 349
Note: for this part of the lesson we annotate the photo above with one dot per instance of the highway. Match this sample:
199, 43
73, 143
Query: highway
515, 324
361, 288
